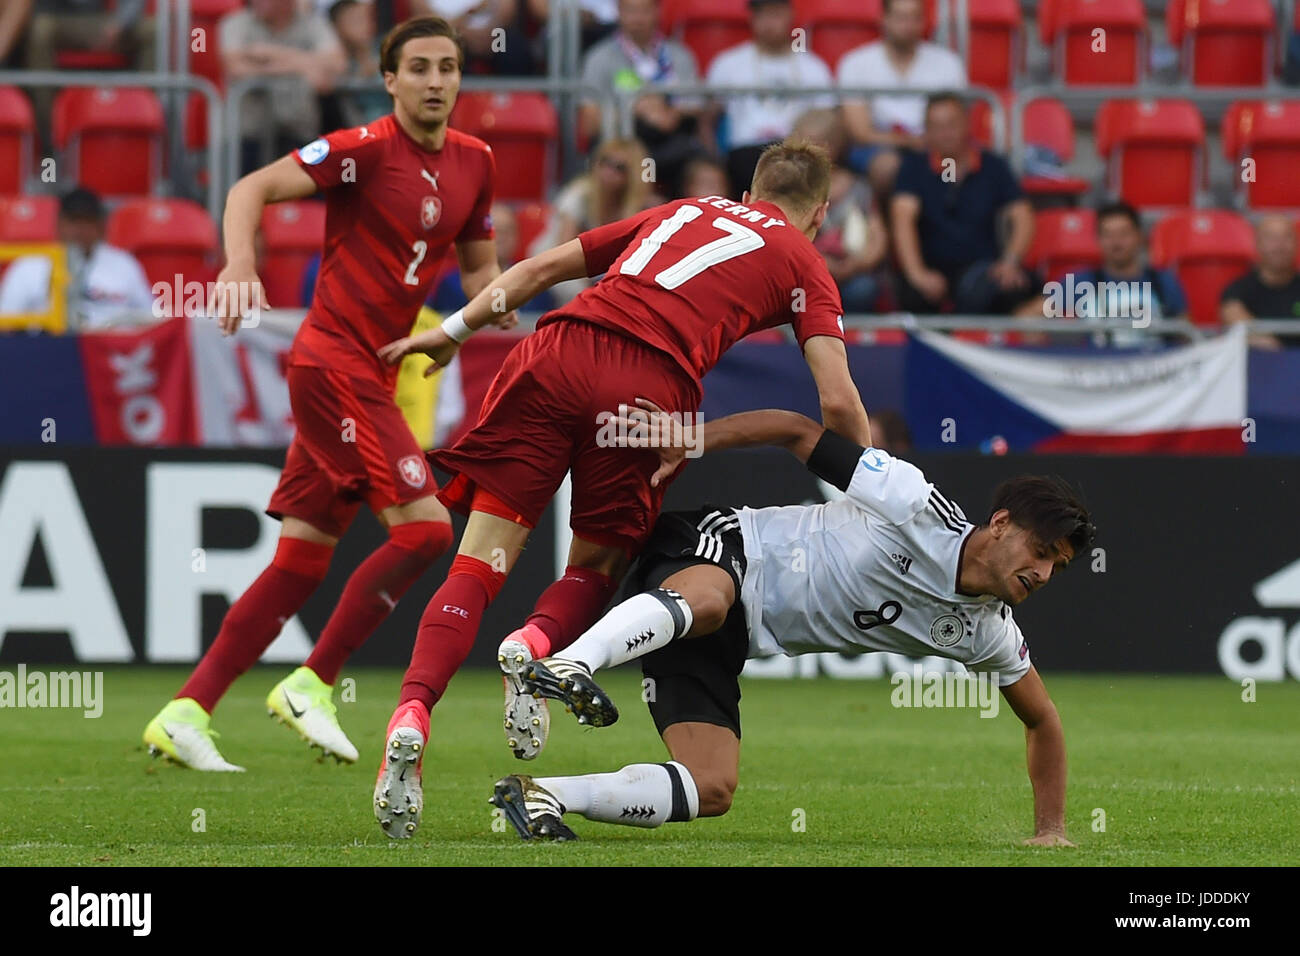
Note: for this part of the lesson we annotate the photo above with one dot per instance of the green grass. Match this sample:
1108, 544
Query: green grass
1186, 773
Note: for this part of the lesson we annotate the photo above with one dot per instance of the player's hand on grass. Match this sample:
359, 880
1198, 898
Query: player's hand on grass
1048, 839
238, 289
633, 431
432, 342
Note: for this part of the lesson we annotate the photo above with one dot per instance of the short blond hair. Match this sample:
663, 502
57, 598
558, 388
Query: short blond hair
794, 171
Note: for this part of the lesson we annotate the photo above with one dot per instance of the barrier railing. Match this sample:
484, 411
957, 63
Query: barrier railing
60, 79
554, 88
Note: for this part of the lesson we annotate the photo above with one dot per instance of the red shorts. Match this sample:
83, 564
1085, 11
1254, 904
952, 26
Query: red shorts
352, 445
539, 420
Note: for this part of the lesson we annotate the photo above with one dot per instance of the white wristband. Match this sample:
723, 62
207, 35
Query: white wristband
456, 328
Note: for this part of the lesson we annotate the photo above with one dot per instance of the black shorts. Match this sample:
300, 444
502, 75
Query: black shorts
695, 679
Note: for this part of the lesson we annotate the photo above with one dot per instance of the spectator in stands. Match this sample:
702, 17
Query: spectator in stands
1272, 289
705, 177
89, 26
614, 189
272, 38
13, 22
1124, 285
889, 432
944, 216
853, 239
493, 44
106, 285
638, 57
769, 60
881, 126
354, 23
449, 296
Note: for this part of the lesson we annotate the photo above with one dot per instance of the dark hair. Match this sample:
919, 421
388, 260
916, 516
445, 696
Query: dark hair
1048, 508
390, 53
794, 170
944, 96
81, 204
1119, 208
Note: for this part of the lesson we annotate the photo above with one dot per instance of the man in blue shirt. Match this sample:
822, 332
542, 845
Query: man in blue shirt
947, 205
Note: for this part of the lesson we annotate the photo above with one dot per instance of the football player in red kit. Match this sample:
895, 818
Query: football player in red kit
682, 282
399, 191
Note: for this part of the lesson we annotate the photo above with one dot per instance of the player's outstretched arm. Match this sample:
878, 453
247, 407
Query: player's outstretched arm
1045, 750
506, 293
281, 180
842, 410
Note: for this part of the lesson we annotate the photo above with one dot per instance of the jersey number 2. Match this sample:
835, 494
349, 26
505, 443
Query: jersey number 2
419, 247
739, 239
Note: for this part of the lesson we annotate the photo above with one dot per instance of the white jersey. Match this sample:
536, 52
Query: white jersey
874, 571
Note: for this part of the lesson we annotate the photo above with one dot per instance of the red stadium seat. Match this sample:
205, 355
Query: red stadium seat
1065, 240
1154, 150
522, 129
112, 138
205, 15
1267, 134
707, 27
170, 237
1081, 55
1047, 123
29, 218
1223, 42
993, 56
531, 220
293, 233
17, 134
837, 26
1208, 249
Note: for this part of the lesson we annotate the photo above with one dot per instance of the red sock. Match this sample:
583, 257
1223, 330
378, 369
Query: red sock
570, 606
373, 591
448, 627
253, 621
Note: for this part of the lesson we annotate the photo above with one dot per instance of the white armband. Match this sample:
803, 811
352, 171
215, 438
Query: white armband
456, 328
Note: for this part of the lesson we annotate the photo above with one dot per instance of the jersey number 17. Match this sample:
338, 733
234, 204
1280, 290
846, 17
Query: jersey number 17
739, 239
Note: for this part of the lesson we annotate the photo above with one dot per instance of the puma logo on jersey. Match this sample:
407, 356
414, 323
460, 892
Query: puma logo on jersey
365, 131
431, 177
903, 561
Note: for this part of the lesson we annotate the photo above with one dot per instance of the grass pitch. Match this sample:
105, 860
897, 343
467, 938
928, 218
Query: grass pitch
1184, 771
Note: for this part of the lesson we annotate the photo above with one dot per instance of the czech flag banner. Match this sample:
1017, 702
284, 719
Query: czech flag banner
1181, 400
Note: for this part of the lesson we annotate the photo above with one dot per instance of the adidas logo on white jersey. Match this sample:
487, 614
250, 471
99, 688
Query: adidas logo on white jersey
903, 562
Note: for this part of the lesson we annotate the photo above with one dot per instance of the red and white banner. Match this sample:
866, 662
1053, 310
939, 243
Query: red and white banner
140, 385
239, 382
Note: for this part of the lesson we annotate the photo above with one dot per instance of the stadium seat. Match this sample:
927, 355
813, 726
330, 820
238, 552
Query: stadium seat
522, 129
28, 218
17, 134
1047, 124
1268, 134
1223, 42
531, 220
170, 237
1208, 249
293, 233
204, 15
1154, 150
1080, 55
111, 138
837, 26
993, 54
1065, 240
707, 27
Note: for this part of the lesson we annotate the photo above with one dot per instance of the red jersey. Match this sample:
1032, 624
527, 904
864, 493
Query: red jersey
692, 277
393, 209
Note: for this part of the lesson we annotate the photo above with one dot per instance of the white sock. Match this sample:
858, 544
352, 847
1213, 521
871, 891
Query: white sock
639, 795
639, 625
